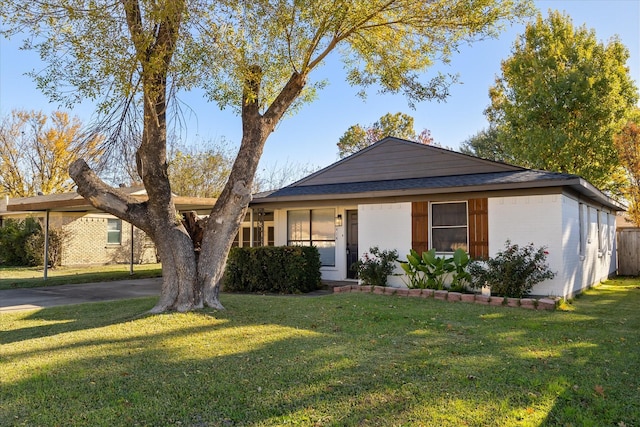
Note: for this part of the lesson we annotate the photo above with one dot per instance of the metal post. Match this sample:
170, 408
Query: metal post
131, 261
251, 227
46, 244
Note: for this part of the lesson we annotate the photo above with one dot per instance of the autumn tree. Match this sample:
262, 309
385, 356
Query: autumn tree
256, 57
36, 151
199, 171
561, 98
399, 125
627, 143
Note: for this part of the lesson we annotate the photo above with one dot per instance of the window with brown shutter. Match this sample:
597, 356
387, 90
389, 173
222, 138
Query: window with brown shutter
477, 226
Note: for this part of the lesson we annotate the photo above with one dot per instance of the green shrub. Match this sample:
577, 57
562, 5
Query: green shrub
428, 271
376, 266
34, 246
512, 272
14, 235
271, 269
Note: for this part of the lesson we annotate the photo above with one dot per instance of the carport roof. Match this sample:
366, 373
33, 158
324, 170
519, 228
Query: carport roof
73, 202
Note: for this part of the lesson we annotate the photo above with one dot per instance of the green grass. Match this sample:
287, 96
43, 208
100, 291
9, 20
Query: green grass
31, 277
337, 360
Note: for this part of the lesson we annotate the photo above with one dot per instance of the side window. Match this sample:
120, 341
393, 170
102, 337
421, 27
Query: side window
114, 231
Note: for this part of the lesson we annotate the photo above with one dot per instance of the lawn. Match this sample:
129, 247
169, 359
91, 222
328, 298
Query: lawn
336, 360
31, 277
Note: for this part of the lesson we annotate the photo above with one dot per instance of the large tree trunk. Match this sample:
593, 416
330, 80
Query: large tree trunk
231, 207
157, 217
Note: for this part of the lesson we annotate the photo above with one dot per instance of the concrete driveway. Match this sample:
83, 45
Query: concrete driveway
34, 298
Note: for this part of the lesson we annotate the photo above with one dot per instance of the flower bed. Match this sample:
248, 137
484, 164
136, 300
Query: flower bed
527, 303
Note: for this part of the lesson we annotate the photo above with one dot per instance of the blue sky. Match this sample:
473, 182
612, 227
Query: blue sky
310, 136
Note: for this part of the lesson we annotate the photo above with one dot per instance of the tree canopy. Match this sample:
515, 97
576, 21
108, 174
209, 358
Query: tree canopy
561, 98
256, 57
36, 151
399, 125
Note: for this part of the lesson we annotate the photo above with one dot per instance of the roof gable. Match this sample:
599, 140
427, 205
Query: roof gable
393, 158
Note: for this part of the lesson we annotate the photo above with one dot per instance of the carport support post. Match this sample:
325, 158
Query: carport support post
251, 227
131, 260
46, 243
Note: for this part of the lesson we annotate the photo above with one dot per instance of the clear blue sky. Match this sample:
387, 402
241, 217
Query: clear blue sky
310, 136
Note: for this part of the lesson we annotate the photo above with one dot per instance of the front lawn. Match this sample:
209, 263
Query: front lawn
31, 277
338, 360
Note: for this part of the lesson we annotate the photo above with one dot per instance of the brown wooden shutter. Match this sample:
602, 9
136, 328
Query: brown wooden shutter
479, 228
420, 226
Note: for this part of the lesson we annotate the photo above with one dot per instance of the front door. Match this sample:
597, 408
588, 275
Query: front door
352, 242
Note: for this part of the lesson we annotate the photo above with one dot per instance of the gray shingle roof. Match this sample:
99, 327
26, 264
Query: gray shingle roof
443, 182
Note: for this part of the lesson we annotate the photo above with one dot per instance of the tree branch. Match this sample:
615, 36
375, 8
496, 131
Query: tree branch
107, 198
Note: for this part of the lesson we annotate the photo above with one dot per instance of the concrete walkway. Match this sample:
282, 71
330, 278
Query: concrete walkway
34, 298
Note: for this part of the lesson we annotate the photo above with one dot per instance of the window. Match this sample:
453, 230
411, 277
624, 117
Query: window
313, 228
114, 231
271, 236
449, 226
583, 228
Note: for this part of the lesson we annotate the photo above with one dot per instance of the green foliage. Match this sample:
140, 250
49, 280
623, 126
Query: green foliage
560, 100
486, 144
22, 243
429, 271
512, 272
398, 125
34, 246
282, 269
14, 235
201, 171
376, 266
383, 43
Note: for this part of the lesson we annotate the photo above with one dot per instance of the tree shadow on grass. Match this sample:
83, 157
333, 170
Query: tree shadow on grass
348, 359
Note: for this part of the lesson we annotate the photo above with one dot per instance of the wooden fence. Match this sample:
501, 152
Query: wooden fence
628, 251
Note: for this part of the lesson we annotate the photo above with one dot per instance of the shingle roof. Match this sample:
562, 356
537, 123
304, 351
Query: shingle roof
441, 182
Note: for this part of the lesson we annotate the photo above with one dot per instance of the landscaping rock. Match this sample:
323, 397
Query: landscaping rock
415, 292
366, 288
467, 297
482, 299
546, 304
513, 302
427, 293
378, 290
390, 291
403, 292
442, 295
496, 301
454, 296
527, 303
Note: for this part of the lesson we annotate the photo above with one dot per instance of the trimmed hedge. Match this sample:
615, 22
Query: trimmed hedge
273, 269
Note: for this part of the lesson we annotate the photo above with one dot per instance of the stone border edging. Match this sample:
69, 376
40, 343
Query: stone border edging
443, 295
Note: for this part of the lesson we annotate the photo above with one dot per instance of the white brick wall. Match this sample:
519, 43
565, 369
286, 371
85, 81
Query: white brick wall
387, 226
554, 221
